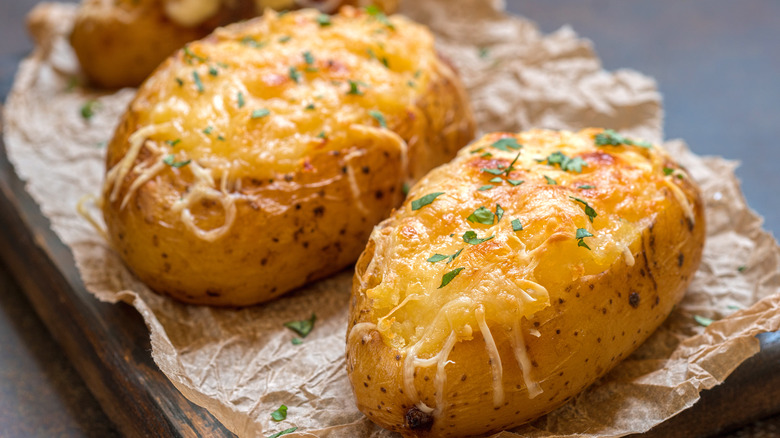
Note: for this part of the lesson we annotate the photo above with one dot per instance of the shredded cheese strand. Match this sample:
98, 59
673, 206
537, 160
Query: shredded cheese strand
495, 359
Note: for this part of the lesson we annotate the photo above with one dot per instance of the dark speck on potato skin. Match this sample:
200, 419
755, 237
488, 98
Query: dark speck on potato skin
633, 300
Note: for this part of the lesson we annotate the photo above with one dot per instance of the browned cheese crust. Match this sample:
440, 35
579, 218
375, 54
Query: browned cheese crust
120, 42
560, 314
259, 159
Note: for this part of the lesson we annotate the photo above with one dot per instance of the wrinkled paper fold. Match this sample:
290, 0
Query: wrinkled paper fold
241, 364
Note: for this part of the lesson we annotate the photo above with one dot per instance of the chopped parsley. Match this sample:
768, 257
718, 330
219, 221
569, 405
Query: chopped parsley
240, 99
260, 113
284, 432
379, 118
482, 216
439, 257
220, 138
497, 180
281, 413
308, 57
425, 200
180, 82
89, 108
324, 20
447, 278
379, 16
742, 268
189, 55
507, 143
517, 225
611, 138
251, 42
208, 130
512, 165
702, 321
484, 52
668, 171
173, 143
498, 171
499, 213
295, 75
581, 234
321, 135
567, 164
588, 209
171, 161
297, 341
353, 87
485, 187
309, 107
198, 83
284, 39
213, 71
405, 188
471, 238
586, 186
515, 182
303, 327
549, 180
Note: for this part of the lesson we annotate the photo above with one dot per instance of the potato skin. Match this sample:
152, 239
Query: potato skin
594, 315
298, 170
120, 42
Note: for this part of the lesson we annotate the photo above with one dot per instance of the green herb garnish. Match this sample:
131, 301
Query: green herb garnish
379, 118
297, 341
240, 99
379, 16
295, 75
507, 143
702, 321
499, 213
586, 186
284, 432
742, 268
482, 216
549, 180
251, 42
171, 161
189, 55
303, 327
439, 257
588, 209
517, 225
281, 413
208, 130
308, 57
668, 171
284, 39
260, 113
89, 108
515, 182
353, 88
496, 180
173, 143
498, 171
309, 107
447, 278
485, 187
198, 83
581, 234
425, 200
611, 138
471, 238
567, 163
324, 20
213, 71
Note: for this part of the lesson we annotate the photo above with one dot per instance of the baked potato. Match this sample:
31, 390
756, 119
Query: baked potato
120, 42
260, 158
515, 276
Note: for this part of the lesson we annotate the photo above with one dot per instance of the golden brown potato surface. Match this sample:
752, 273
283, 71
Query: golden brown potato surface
120, 42
260, 158
515, 276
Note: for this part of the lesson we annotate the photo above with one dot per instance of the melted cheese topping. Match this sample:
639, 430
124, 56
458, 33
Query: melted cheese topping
507, 278
257, 99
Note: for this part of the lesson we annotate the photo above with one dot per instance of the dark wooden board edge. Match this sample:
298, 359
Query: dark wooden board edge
109, 345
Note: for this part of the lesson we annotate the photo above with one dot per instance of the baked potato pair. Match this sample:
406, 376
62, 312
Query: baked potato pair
260, 158
515, 276
120, 42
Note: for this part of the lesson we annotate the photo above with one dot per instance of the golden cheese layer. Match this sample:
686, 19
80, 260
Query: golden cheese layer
270, 93
481, 240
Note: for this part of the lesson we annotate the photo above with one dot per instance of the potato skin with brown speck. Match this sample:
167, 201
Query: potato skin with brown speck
594, 317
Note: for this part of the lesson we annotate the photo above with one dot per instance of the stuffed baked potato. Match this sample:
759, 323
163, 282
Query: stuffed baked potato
120, 42
515, 276
260, 158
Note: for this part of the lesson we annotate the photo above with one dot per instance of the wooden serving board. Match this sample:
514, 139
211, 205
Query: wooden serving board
109, 344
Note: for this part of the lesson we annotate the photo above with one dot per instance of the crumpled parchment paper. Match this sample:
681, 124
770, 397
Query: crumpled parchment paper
241, 364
